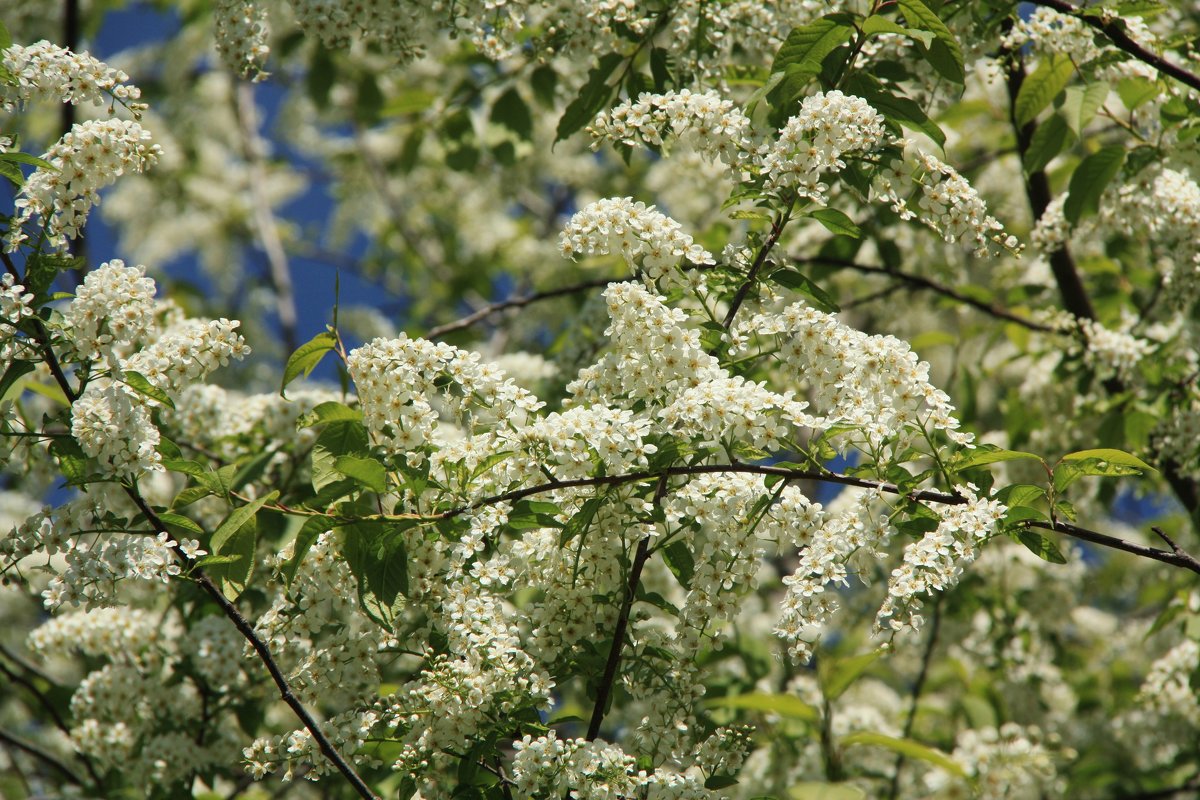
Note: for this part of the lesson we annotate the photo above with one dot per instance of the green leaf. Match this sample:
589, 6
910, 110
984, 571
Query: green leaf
807, 45
897, 108
236, 561
875, 25
5, 37
376, 555
1109, 456
309, 532
1082, 103
489, 462
592, 98
345, 438
1041, 546
1136, 91
329, 411
580, 521
1021, 494
836, 675
987, 454
307, 356
367, 471
16, 157
408, 101
715, 782
795, 280
510, 111
72, 461
140, 384
544, 81
784, 705
1041, 87
907, 748
945, 54
1090, 179
837, 222
814, 790
178, 522
236, 520
678, 557
1048, 141
17, 369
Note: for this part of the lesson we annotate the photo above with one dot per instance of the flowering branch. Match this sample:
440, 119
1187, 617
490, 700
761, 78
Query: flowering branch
264, 654
1114, 29
776, 231
922, 282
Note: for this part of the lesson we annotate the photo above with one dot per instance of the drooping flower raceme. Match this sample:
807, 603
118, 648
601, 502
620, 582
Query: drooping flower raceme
711, 124
241, 35
89, 157
637, 232
112, 311
45, 72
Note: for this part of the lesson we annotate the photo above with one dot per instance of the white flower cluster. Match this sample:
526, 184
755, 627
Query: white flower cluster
45, 72
875, 383
1051, 231
87, 158
828, 543
127, 635
241, 34
112, 424
1048, 31
711, 124
1168, 689
655, 356
952, 207
935, 562
396, 379
570, 443
1112, 352
112, 312
1009, 763
812, 143
725, 410
1162, 206
16, 305
87, 569
619, 225
547, 766
187, 352
336, 23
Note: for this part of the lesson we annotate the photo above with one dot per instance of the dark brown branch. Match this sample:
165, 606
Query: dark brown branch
922, 282
43, 340
1176, 558
739, 298
826, 476
264, 654
1115, 31
516, 302
604, 688
41, 755
1037, 190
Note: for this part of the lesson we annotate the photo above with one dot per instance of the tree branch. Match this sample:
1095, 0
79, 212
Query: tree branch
1176, 558
604, 688
739, 298
1112, 28
516, 302
40, 755
264, 654
922, 282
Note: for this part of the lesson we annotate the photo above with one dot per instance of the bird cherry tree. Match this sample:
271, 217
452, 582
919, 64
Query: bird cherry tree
738, 399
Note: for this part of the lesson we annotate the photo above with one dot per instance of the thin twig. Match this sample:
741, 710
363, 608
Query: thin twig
516, 302
739, 298
604, 688
922, 282
264, 654
280, 272
1113, 28
1177, 558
